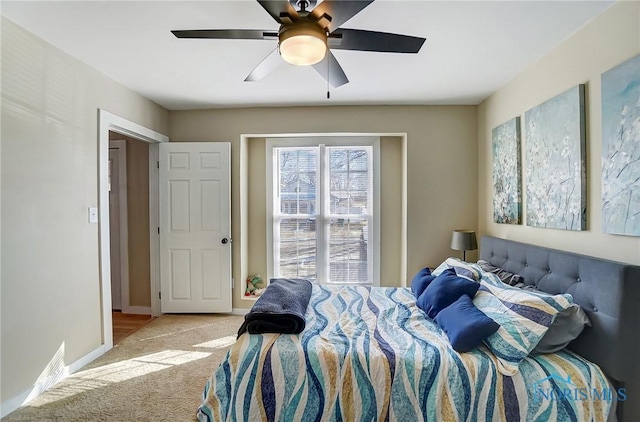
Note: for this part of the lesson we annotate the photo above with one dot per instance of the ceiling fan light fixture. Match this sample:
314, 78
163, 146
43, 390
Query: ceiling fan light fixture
302, 45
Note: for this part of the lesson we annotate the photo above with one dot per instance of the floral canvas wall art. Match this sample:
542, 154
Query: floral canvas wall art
555, 162
621, 149
507, 195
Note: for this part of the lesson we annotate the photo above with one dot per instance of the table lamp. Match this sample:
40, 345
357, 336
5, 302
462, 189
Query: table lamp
464, 240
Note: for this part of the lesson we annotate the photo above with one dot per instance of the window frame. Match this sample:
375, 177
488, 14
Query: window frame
271, 177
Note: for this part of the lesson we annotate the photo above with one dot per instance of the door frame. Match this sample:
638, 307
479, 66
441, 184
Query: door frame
121, 146
110, 122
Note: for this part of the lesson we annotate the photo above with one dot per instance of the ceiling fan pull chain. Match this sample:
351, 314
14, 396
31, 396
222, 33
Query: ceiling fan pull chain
328, 67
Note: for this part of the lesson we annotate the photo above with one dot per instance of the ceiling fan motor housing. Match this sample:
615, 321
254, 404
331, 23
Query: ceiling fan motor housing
303, 4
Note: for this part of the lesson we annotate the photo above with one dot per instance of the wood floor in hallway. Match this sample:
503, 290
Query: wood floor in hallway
125, 324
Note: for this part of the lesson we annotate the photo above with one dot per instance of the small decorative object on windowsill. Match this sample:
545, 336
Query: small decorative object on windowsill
258, 292
252, 285
464, 240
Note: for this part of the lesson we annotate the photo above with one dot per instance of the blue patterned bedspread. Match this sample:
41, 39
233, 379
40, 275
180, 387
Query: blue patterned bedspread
371, 354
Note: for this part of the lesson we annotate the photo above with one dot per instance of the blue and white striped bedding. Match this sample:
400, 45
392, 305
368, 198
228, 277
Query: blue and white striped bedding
371, 354
524, 317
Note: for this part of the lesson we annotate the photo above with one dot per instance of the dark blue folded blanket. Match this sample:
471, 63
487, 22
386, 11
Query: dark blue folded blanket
280, 309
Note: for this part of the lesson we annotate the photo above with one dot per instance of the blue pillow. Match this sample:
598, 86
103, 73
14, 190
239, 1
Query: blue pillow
444, 290
421, 281
465, 325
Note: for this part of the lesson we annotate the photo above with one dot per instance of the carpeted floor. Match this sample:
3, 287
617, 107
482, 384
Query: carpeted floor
156, 374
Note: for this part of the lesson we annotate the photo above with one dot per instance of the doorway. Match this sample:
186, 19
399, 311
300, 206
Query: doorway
129, 225
110, 123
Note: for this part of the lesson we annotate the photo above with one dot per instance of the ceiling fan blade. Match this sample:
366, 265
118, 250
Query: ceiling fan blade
362, 40
265, 67
237, 34
330, 69
277, 7
340, 11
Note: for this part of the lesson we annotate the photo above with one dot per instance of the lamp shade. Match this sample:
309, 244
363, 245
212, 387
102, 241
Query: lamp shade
464, 240
302, 44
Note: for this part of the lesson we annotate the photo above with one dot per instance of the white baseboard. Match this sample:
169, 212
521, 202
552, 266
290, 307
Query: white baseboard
87, 359
240, 311
138, 310
48, 382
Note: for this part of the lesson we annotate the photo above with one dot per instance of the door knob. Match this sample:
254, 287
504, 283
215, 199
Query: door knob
225, 241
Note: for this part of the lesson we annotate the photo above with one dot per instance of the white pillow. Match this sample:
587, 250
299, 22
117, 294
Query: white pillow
462, 268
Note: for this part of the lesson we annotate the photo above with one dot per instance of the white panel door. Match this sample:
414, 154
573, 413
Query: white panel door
195, 227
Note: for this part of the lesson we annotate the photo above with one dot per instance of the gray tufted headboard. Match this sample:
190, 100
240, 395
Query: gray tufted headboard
608, 291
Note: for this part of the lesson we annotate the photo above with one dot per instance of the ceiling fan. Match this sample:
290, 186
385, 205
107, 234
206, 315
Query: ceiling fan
308, 34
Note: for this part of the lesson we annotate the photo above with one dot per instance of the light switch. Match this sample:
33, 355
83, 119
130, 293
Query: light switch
93, 214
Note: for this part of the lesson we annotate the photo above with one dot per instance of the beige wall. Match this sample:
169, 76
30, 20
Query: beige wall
138, 222
51, 302
441, 154
257, 206
391, 170
604, 43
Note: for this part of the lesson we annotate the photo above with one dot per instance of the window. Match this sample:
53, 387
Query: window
323, 219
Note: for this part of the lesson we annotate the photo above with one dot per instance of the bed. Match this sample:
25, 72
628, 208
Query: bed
373, 354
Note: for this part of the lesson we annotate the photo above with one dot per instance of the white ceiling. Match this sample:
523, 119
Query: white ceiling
473, 48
